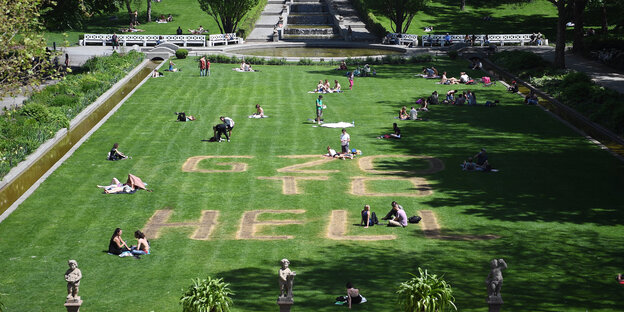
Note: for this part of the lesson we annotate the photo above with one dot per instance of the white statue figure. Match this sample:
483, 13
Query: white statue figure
286, 277
73, 276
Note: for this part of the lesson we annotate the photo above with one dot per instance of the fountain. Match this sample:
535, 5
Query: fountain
309, 19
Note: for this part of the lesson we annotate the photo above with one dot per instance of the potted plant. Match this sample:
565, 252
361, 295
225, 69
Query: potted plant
426, 293
207, 295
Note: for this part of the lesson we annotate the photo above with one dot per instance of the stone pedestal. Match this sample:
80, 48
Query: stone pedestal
495, 303
73, 305
285, 303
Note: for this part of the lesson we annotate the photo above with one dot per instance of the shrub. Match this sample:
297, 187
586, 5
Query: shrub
452, 54
249, 21
63, 100
426, 293
421, 58
208, 295
36, 111
276, 61
304, 61
181, 53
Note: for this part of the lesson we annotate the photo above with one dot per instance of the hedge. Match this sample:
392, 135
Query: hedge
23, 130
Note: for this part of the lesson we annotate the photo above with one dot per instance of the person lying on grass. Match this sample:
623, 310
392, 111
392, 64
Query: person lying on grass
115, 154
430, 72
332, 153
447, 81
395, 135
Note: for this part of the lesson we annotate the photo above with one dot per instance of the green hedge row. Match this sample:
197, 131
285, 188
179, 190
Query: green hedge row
23, 130
574, 89
249, 21
372, 24
387, 59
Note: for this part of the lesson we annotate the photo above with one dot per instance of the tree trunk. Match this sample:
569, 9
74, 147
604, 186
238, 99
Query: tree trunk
149, 11
561, 27
127, 2
579, 9
605, 26
462, 5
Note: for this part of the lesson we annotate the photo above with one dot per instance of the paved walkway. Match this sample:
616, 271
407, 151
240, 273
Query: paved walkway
600, 73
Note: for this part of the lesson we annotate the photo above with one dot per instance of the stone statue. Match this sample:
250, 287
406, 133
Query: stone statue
286, 277
494, 281
73, 276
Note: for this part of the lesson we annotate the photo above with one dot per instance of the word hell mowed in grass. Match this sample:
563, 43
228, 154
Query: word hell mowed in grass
249, 225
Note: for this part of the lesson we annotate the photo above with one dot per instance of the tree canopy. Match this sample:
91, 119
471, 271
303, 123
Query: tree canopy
400, 12
24, 60
227, 13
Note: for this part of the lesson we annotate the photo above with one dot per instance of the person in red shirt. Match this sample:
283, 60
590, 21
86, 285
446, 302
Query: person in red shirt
208, 66
202, 66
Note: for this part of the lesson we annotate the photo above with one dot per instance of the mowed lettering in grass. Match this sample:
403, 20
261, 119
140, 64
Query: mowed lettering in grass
337, 227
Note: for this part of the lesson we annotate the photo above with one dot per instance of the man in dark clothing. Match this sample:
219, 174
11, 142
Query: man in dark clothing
179, 31
219, 130
481, 157
393, 212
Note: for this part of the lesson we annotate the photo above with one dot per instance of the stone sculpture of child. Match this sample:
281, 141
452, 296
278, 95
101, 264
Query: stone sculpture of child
494, 281
73, 276
286, 277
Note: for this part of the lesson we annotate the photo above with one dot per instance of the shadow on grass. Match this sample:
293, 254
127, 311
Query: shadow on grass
540, 262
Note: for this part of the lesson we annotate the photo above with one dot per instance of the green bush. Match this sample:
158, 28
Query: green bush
207, 295
249, 21
426, 293
524, 64
276, 61
305, 61
181, 53
421, 58
52, 108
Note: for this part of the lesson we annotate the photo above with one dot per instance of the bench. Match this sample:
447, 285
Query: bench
144, 40
500, 39
224, 38
409, 40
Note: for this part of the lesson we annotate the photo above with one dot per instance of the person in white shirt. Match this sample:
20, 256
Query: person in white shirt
229, 123
463, 78
345, 138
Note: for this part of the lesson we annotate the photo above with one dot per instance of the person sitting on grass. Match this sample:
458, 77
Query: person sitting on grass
337, 87
171, 68
403, 113
424, 107
353, 296
259, 112
320, 87
476, 64
463, 77
469, 165
619, 279
431, 72
433, 99
142, 247
513, 88
400, 219
481, 157
461, 99
368, 218
450, 97
471, 98
413, 113
116, 245
392, 213
531, 99
115, 154
395, 135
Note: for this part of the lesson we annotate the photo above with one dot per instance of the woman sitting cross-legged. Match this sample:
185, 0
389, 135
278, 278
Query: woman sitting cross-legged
142, 247
395, 135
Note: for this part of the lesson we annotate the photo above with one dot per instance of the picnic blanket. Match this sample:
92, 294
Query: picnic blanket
342, 124
257, 116
427, 77
243, 71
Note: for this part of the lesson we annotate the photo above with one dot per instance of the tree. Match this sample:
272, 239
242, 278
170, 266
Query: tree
462, 5
149, 11
578, 7
400, 12
562, 7
24, 60
64, 14
227, 13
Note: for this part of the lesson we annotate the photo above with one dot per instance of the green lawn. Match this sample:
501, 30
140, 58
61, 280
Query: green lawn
186, 13
555, 202
523, 18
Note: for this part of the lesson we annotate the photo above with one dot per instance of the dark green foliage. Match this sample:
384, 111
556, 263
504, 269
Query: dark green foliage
372, 24
522, 63
400, 12
181, 53
452, 54
52, 108
207, 295
276, 61
305, 61
227, 13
